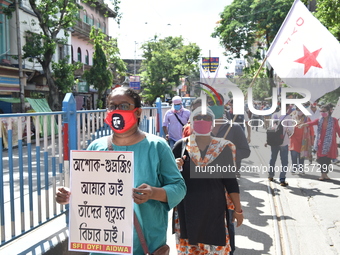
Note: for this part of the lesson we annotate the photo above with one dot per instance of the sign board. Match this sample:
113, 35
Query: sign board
135, 82
83, 87
210, 64
101, 204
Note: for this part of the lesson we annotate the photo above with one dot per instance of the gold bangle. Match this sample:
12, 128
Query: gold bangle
241, 212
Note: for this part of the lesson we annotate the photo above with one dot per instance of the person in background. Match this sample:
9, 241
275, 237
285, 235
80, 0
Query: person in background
300, 142
266, 117
187, 130
200, 220
241, 119
327, 148
174, 120
256, 117
83, 108
158, 184
315, 111
283, 148
235, 134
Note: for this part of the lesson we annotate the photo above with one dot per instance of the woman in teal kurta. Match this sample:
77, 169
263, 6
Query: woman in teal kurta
158, 184
155, 166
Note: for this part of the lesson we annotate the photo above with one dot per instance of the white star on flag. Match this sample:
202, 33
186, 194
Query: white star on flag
304, 54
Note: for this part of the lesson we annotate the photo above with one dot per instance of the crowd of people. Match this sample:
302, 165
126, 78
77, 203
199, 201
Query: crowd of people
306, 137
172, 173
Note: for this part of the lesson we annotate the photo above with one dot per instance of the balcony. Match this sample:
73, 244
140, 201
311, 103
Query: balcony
79, 72
82, 30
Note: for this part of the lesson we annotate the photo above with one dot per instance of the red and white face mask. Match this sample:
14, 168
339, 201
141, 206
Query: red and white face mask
121, 121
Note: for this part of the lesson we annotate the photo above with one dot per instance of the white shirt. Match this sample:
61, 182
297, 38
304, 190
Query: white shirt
287, 126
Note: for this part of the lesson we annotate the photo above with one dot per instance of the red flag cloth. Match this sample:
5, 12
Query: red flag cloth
304, 54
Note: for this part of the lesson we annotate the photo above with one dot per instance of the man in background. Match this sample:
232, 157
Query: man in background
174, 120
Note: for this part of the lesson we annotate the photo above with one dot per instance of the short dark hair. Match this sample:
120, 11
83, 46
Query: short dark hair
128, 92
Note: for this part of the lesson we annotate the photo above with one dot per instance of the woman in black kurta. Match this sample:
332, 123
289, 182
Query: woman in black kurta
200, 219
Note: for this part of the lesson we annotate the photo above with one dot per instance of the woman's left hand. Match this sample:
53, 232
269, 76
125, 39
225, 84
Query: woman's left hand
238, 217
142, 194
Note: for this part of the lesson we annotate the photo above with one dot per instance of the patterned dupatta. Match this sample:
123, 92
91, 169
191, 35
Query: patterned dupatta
328, 137
215, 148
307, 141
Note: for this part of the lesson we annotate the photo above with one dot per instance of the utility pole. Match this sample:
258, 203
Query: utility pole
21, 85
134, 63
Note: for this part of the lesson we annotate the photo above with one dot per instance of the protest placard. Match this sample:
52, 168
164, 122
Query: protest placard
101, 205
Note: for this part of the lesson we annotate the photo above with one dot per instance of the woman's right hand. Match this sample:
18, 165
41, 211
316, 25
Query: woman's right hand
180, 162
63, 196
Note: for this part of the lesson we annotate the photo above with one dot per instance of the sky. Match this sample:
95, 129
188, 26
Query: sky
193, 19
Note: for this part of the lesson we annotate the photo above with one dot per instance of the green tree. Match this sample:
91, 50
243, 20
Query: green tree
328, 12
99, 76
53, 17
249, 26
63, 74
112, 54
260, 86
166, 61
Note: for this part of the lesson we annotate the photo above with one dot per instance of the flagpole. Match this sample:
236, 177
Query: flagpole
246, 94
257, 73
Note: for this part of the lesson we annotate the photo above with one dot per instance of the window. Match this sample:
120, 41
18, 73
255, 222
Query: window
34, 42
79, 54
98, 24
87, 58
91, 21
104, 28
85, 17
72, 54
61, 52
25, 4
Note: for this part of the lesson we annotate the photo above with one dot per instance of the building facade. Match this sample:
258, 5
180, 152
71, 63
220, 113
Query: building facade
94, 13
76, 47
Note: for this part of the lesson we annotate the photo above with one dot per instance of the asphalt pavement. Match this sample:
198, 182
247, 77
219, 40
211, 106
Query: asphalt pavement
302, 218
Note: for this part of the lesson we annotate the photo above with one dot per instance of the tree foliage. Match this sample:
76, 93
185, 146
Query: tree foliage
110, 48
166, 61
99, 76
248, 26
63, 74
328, 12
